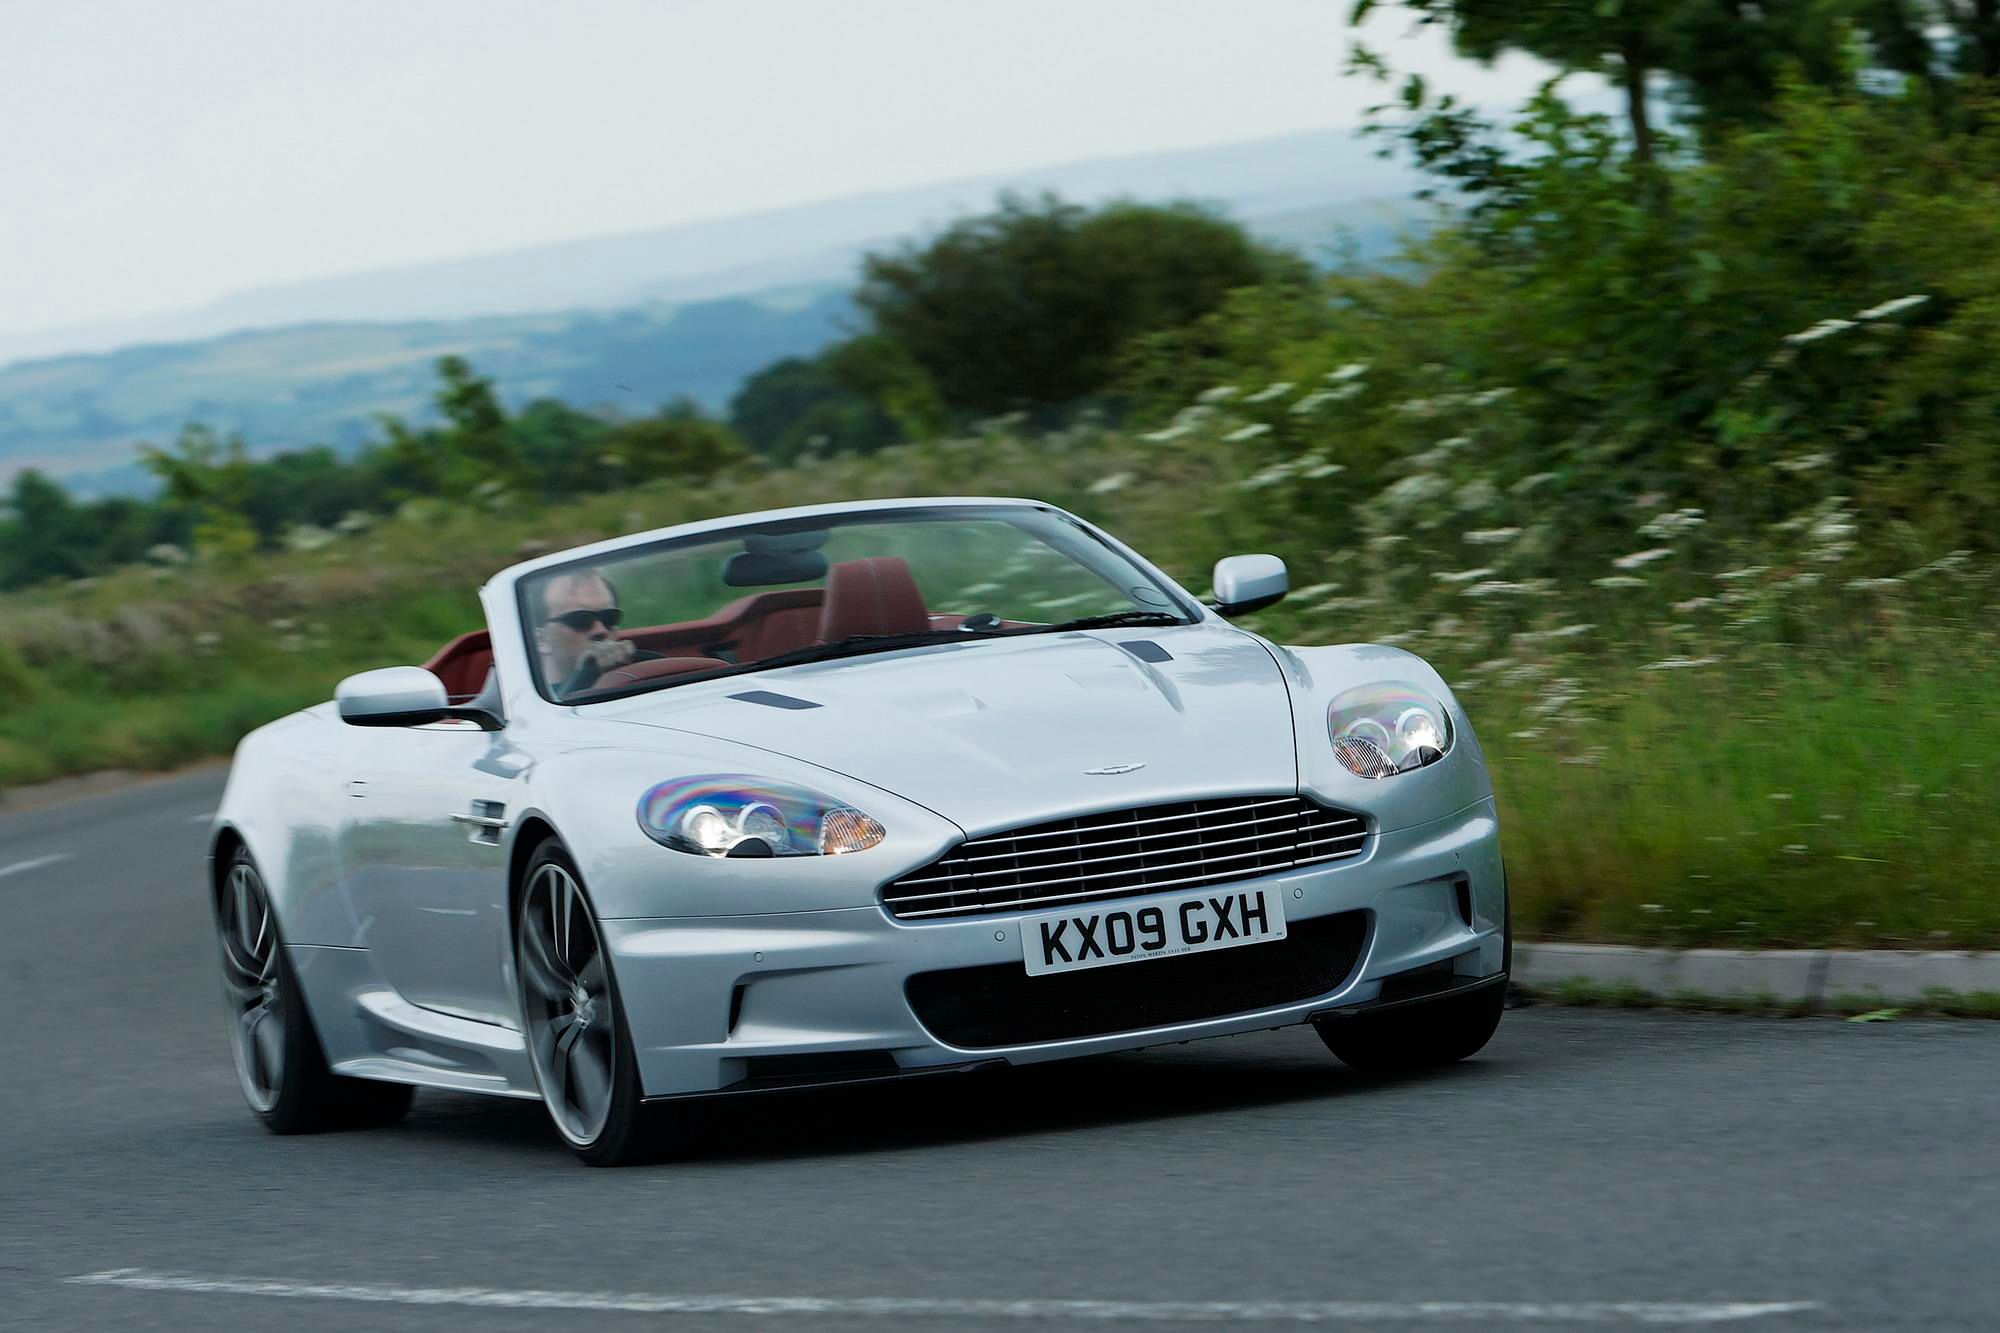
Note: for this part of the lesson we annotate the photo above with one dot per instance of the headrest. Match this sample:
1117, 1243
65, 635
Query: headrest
873, 596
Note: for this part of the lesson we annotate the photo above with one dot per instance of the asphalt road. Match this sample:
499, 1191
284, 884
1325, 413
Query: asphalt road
1589, 1170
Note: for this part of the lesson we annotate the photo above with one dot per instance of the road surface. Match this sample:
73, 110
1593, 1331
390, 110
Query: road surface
1590, 1170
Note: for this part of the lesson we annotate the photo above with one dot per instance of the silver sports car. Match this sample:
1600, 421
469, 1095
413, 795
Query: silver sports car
848, 792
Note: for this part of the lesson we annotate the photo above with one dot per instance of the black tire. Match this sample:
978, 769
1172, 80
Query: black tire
1423, 1036
300, 1095
628, 1130
1417, 1036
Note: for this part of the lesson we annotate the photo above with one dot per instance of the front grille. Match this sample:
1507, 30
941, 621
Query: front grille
1122, 852
1001, 1005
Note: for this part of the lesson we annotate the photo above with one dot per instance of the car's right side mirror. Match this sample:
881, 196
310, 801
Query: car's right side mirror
1246, 583
403, 696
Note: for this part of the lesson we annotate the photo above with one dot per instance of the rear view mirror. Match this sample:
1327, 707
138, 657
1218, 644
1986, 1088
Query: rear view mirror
404, 696
1246, 583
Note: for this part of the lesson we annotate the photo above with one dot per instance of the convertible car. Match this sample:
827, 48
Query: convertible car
842, 793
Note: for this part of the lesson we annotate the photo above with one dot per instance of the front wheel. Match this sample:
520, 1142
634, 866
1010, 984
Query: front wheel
279, 1063
578, 1044
1417, 1036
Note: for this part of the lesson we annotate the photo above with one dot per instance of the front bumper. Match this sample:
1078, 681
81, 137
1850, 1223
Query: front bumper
717, 1004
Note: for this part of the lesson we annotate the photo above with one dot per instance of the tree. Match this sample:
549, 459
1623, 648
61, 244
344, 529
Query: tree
1029, 306
1724, 58
47, 537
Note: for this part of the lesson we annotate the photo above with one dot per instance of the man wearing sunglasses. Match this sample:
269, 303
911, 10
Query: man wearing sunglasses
579, 613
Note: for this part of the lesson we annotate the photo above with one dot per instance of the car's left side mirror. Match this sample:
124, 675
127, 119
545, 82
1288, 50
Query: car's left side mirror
404, 696
1246, 583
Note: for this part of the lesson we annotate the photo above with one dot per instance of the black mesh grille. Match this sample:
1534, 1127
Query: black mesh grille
1001, 1005
1121, 852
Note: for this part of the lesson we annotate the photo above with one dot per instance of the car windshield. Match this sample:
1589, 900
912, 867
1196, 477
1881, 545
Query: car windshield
780, 593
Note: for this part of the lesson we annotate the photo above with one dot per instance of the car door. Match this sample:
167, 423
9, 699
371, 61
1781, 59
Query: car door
424, 860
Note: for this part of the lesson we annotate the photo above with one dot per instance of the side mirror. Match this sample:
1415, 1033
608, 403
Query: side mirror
1246, 583
404, 696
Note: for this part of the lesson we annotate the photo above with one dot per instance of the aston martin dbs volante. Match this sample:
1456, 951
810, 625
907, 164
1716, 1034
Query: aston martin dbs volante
841, 793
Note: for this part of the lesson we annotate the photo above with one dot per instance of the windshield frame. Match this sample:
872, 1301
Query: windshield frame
1176, 602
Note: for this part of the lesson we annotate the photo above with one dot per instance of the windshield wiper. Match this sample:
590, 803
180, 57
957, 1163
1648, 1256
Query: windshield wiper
1117, 618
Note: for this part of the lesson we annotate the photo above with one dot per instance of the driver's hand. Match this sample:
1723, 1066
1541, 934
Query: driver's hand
605, 654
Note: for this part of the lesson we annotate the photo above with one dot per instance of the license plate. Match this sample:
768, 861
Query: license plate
1077, 938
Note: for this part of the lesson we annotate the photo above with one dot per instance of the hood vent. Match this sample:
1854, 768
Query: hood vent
772, 699
1146, 650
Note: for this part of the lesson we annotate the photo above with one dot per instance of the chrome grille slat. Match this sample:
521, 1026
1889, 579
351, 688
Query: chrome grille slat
1286, 817
1160, 847
1119, 824
1041, 869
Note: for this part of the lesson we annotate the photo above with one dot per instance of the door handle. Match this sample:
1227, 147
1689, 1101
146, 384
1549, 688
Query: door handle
483, 821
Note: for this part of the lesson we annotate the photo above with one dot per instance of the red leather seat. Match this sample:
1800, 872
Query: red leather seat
463, 663
872, 596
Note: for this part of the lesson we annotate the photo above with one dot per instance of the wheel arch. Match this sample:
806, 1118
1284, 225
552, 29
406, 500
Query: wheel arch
222, 849
529, 835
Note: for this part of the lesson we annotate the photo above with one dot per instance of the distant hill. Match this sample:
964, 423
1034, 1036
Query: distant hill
630, 319
79, 417
734, 256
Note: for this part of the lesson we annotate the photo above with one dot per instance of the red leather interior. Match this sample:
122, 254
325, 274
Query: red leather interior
748, 628
463, 663
873, 596
876, 596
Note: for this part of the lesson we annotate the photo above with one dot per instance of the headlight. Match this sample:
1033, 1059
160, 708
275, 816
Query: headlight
1379, 731
728, 814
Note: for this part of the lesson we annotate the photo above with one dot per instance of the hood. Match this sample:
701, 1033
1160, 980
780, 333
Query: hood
1000, 733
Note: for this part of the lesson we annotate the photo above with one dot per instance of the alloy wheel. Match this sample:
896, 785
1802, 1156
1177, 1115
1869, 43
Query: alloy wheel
567, 1004
251, 980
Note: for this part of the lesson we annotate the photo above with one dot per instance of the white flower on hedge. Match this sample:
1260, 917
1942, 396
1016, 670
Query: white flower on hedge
1812, 462
1619, 581
1826, 328
1117, 481
1546, 635
1477, 494
1678, 663
1498, 588
1492, 536
1462, 576
1747, 572
1693, 604
1895, 307
1316, 590
1352, 370
1638, 558
1249, 432
1873, 585
1270, 391
1413, 492
1309, 403
1673, 523
1167, 436
1488, 397
1221, 393
1945, 564
1536, 482
1320, 470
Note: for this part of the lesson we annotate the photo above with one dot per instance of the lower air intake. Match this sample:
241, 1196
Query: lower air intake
974, 1008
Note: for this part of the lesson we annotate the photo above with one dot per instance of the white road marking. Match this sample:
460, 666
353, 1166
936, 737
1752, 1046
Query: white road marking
946, 1307
20, 867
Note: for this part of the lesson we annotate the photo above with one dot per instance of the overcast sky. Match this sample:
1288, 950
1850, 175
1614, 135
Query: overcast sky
158, 153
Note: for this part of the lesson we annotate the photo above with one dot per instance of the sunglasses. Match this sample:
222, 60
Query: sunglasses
581, 621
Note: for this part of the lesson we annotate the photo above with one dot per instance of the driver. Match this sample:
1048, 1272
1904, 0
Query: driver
579, 613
